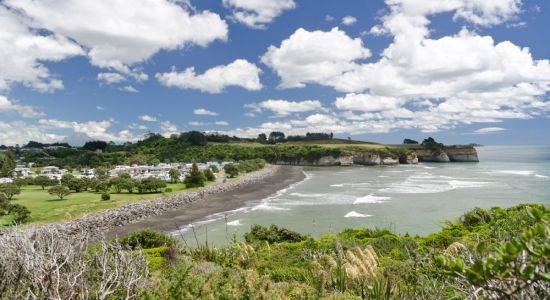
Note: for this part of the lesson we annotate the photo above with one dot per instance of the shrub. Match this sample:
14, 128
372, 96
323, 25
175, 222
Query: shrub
150, 184
231, 169
195, 178
105, 197
20, 213
273, 234
9, 190
209, 175
60, 191
147, 239
168, 190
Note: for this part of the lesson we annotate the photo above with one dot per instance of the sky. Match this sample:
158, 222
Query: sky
461, 71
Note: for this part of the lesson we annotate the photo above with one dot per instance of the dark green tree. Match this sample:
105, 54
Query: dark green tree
44, 181
195, 178
9, 190
231, 169
174, 175
60, 191
209, 175
7, 164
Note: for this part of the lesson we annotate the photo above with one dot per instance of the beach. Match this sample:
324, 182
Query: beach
171, 220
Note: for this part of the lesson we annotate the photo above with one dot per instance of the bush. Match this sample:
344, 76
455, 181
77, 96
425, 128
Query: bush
9, 190
168, 190
147, 239
20, 213
195, 178
231, 169
273, 234
105, 197
150, 184
209, 175
60, 191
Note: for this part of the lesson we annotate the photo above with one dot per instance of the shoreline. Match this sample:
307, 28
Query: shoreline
260, 187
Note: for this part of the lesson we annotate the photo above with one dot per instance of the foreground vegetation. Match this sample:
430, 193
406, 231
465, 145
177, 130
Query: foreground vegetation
486, 254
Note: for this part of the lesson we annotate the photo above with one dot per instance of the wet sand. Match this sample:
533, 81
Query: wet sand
215, 203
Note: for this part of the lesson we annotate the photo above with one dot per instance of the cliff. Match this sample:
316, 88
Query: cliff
448, 154
389, 157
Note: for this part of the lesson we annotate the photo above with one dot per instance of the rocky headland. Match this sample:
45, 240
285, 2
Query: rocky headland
379, 157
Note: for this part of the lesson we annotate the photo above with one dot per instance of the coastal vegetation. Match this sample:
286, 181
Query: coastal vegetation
198, 147
487, 254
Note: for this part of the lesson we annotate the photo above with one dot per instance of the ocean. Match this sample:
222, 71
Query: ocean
412, 199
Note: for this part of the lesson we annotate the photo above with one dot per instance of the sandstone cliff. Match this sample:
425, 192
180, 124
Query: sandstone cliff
385, 157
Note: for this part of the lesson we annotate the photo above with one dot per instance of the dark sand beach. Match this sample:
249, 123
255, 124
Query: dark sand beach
215, 203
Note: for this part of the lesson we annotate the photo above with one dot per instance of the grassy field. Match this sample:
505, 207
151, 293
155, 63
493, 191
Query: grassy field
46, 208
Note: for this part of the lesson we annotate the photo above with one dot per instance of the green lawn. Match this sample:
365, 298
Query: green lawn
46, 208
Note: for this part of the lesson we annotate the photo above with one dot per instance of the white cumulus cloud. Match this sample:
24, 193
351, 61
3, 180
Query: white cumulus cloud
349, 20
314, 57
204, 112
24, 52
285, 107
257, 14
25, 111
115, 33
147, 118
238, 73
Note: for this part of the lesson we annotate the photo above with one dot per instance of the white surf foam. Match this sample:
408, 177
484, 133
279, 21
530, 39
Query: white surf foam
516, 172
337, 185
371, 199
459, 184
541, 176
234, 223
354, 214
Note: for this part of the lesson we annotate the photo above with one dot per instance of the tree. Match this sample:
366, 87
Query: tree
128, 184
4, 205
77, 184
20, 214
101, 173
231, 169
195, 178
150, 184
7, 164
174, 175
66, 178
214, 168
196, 138
60, 191
101, 186
262, 138
44, 181
95, 145
276, 136
431, 144
209, 175
410, 142
20, 182
9, 190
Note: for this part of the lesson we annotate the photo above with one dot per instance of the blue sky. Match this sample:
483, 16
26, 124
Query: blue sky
459, 70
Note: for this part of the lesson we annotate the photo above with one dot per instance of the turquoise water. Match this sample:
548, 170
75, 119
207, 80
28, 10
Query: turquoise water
404, 198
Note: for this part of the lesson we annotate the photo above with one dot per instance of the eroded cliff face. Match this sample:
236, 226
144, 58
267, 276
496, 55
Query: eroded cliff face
450, 154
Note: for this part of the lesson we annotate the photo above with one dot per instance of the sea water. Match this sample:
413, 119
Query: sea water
411, 199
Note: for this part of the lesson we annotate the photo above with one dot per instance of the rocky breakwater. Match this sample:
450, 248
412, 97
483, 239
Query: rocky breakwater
137, 211
448, 154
